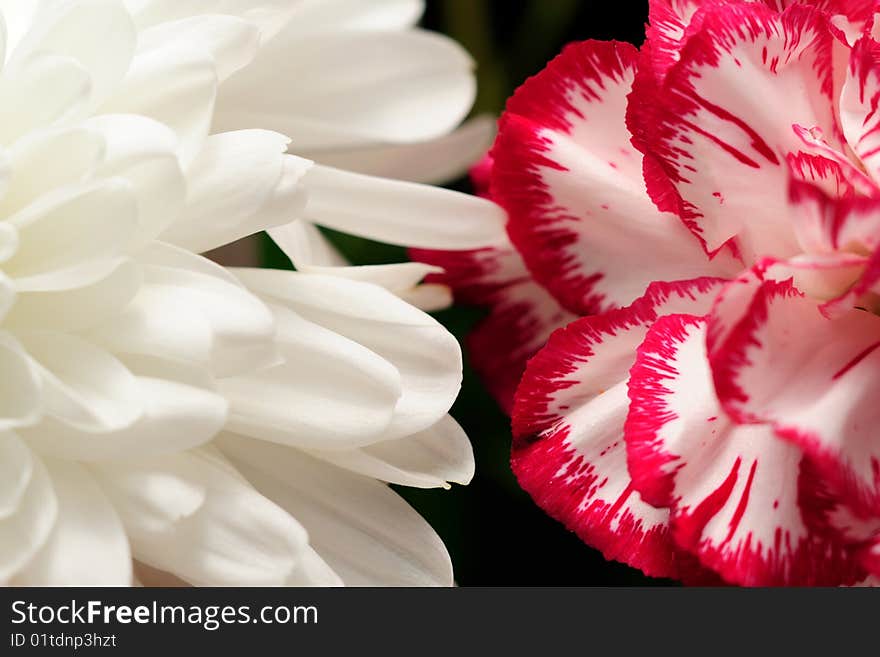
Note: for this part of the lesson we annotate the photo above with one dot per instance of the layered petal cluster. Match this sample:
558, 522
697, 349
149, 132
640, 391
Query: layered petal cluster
709, 206
226, 427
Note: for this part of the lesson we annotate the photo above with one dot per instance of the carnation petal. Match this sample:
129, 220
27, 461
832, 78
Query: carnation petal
568, 423
573, 185
858, 102
813, 378
734, 490
716, 143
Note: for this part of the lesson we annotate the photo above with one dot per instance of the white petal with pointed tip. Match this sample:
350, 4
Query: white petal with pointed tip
359, 526
428, 459
401, 212
240, 183
427, 356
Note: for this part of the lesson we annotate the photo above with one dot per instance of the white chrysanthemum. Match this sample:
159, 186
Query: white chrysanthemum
227, 427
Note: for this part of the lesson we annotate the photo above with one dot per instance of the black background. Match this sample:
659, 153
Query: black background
495, 533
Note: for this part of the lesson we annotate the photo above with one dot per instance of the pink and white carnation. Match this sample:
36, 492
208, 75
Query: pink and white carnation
701, 217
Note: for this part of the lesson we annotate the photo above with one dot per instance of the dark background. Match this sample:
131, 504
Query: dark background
494, 532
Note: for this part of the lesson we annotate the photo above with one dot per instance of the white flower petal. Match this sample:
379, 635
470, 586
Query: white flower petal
16, 471
401, 212
73, 225
314, 16
16, 18
364, 86
77, 277
85, 389
434, 161
7, 295
98, 34
329, 393
26, 529
49, 159
240, 183
242, 326
222, 532
83, 386
401, 279
397, 277
8, 244
428, 459
176, 85
426, 354
87, 546
312, 570
44, 90
359, 526
74, 299
231, 41
429, 297
268, 15
20, 387
143, 152
305, 245
158, 324
176, 416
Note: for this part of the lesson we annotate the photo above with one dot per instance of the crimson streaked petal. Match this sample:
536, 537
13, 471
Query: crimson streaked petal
573, 186
813, 377
715, 127
858, 104
733, 489
569, 451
